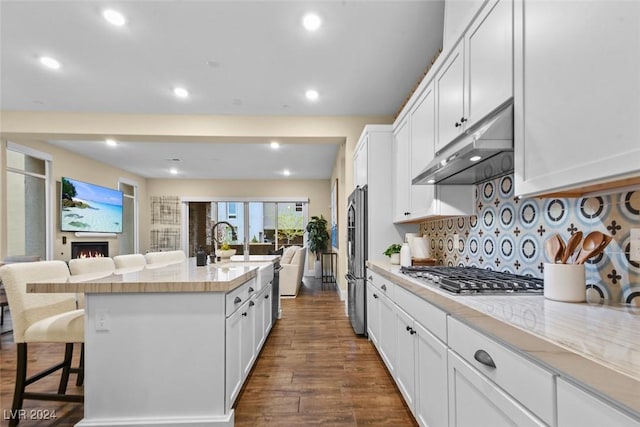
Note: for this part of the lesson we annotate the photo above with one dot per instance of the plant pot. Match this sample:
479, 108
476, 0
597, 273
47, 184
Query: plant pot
317, 269
394, 258
225, 253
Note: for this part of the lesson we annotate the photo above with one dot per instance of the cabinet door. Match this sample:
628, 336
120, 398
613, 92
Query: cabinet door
450, 98
373, 315
247, 337
579, 408
267, 312
489, 60
405, 367
423, 135
475, 401
360, 160
401, 171
258, 322
576, 117
233, 351
431, 407
457, 15
388, 344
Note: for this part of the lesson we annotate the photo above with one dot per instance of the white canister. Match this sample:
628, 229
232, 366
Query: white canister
565, 282
405, 255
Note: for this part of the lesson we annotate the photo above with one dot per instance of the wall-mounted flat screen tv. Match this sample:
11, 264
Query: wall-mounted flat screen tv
89, 207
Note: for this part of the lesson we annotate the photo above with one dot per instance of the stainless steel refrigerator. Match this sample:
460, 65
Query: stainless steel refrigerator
356, 257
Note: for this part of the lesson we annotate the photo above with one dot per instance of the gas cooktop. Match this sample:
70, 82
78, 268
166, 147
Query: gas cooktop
476, 281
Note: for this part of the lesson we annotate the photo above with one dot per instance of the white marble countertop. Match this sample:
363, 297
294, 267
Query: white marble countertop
255, 258
181, 277
597, 345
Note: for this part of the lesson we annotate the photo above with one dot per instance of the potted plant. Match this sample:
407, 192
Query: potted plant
225, 251
393, 252
318, 240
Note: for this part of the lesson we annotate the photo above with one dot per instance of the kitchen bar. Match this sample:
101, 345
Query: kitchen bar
160, 343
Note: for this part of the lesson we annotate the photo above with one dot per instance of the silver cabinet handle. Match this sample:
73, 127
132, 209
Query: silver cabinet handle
484, 358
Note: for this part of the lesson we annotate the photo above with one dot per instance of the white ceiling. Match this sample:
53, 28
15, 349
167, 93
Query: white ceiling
235, 58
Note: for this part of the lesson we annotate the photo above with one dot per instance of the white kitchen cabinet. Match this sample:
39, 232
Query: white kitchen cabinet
233, 350
373, 315
386, 318
262, 317
449, 83
414, 139
374, 153
488, 49
577, 90
360, 159
475, 401
405, 374
402, 207
431, 402
422, 119
477, 75
457, 16
577, 407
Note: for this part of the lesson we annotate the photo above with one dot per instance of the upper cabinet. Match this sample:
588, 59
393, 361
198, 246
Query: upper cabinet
577, 96
414, 144
477, 75
360, 159
457, 16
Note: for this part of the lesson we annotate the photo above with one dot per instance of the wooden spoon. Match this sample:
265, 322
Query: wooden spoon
572, 245
590, 246
553, 247
606, 240
563, 247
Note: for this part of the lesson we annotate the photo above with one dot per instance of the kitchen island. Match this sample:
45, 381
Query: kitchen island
169, 345
585, 356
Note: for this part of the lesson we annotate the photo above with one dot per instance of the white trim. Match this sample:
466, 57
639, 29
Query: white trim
29, 151
90, 234
301, 199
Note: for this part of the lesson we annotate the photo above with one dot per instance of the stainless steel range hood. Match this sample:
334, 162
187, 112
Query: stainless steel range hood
481, 153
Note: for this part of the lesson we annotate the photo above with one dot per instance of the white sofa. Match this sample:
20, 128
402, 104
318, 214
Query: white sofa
292, 263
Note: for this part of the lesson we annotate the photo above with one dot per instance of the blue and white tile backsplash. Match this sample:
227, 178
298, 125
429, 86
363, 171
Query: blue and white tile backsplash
508, 234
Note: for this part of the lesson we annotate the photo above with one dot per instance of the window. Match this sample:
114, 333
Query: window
128, 240
28, 202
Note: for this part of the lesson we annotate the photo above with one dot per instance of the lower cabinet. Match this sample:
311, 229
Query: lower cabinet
577, 407
373, 314
247, 328
475, 401
431, 402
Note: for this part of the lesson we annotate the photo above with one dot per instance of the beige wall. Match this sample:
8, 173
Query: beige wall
32, 126
66, 163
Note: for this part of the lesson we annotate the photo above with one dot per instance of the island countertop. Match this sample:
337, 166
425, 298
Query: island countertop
181, 277
596, 345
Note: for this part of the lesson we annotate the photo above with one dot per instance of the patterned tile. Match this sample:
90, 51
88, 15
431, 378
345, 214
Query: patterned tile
508, 234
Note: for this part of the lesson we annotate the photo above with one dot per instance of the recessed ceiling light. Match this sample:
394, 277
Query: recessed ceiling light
180, 92
311, 21
114, 17
475, 158
173, 171
275, 145
312, 95
111, 142
286, 172
50, 62
431, 181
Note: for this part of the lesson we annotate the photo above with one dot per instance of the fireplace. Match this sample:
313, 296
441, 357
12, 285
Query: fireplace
89, 249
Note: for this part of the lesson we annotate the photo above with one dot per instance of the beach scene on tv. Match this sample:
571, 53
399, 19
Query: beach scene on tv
89, 207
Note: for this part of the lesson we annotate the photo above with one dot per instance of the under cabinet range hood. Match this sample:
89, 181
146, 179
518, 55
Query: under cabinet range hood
483, 152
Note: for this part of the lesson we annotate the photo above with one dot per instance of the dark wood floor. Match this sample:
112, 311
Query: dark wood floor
312, 371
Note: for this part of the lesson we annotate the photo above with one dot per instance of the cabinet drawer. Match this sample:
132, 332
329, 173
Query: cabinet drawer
383, 285
527, 382
239, 296
432, 318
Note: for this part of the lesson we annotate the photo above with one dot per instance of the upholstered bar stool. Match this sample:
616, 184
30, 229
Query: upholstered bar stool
158, 259
129, 262
41, 318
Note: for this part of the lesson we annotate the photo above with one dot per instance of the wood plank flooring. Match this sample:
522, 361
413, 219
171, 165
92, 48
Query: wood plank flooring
312, 370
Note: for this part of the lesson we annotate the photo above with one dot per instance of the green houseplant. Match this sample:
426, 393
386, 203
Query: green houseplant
393, 252
318, 239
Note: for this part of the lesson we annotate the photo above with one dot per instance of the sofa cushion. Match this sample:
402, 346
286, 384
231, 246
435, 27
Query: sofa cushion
288, 254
